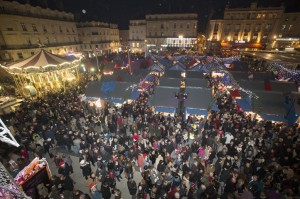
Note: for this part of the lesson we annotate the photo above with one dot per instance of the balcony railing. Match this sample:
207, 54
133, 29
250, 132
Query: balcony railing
14, 47
29, 14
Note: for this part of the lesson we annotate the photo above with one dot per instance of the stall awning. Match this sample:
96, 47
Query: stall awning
214, 107
195, 111
276, 118
165, 109
117, 100
134, 94
244, 104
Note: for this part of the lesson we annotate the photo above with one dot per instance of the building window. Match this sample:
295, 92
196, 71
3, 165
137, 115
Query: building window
94, 33
181, 26
133, 45
34, 28
237, 27
44, 28
73, 29
32, 53
20, 55
23, 27
60, 30
162, 26
67, 30
174, 25
188, 26
9, 29
268, 27
137, 45
258, 16
155, 34
29, 42
216, 27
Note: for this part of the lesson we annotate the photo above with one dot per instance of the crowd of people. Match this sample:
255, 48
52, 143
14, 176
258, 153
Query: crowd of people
227, 155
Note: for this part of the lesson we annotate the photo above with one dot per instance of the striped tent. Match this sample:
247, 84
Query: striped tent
41, 60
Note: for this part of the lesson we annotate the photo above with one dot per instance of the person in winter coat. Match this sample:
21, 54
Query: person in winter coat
132, 187
86, 169
64, 169
95, 193
105, 190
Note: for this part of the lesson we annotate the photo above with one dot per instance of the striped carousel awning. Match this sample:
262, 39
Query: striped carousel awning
40, 60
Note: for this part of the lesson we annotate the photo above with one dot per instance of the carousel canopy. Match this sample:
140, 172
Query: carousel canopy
42, 59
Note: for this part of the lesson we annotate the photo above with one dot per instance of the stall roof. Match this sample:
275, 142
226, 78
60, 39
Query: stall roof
196, 82
119, 90
283, 86
194, 74
252, 85
270, 102
172, 73
199, 98
171, 82
296, 96
165, 96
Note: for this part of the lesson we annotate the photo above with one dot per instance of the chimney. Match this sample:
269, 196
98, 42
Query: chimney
253, 4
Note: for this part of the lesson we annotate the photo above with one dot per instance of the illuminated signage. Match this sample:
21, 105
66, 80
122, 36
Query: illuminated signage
239, 42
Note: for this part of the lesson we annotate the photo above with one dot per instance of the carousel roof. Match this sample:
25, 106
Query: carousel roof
42, 59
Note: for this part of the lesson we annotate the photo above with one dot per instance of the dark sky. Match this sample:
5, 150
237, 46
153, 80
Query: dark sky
121, 11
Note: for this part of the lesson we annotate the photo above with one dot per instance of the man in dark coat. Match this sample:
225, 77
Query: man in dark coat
132, 187
86, 168
105, 190
64, 169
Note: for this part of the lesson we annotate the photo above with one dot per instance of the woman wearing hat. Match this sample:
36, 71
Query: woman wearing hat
86, 168
95, 193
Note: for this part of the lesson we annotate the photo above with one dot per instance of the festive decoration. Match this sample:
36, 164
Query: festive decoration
6, 136
8, 187
43, 72
284, 74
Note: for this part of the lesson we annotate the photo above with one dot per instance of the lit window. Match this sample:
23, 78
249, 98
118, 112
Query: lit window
20, 55
34, 28
23, 27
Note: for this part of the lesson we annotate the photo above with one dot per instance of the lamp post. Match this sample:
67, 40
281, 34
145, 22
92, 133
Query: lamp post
181, 95
129, 61
146, 48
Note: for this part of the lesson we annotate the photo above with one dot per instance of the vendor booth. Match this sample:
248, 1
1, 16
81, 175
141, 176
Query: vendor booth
165, 110
198, 101
33, 177
164, 100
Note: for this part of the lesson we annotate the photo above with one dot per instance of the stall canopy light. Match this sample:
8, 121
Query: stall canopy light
288, 39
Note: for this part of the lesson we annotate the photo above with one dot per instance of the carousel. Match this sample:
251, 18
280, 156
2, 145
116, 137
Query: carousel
42, 73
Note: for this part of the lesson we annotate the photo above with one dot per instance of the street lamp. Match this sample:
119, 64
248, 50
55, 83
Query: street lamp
146, 47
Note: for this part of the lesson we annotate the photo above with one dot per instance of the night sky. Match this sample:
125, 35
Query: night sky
121, 11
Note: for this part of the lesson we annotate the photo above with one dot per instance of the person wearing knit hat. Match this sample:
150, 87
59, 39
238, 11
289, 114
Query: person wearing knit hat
95, 193
64, 169
61, 164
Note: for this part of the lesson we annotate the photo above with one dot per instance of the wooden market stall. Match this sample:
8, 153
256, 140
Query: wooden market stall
42, 73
